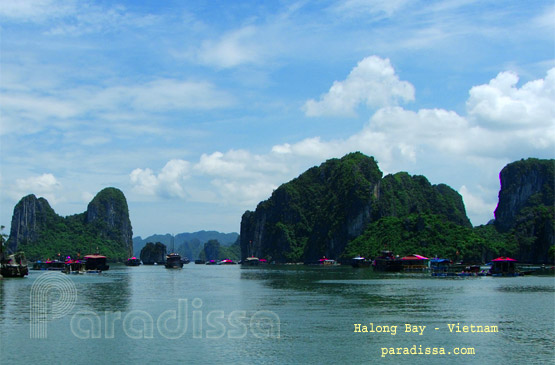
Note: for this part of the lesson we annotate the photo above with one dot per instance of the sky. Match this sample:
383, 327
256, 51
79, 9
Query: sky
198, 110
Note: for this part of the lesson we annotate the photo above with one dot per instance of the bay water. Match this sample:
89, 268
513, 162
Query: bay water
274, 314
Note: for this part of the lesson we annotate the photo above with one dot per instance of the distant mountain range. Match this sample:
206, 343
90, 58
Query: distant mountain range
186, 244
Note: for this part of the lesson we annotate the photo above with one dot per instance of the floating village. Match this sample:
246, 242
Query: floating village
16, 265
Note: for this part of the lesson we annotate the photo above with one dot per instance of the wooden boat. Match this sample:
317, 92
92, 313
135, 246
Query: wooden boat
360, 261
96, 263
173, 261
50, 265
227, 262
14, 265
387, 262
74, 267
199, 262
133, 261
211, 262
251, 261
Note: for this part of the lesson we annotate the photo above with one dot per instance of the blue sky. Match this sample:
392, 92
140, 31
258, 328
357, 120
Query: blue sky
198, 110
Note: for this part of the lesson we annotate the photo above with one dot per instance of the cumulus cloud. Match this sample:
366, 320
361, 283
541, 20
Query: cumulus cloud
502, 105
169, 183
45, 185
426, 141
372, 82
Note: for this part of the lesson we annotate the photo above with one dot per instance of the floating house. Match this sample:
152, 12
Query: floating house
415, 263
503, 266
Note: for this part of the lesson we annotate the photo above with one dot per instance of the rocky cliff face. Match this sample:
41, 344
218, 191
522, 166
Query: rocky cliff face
526, 207
105, 226
108, 212
319, 212
153, 253
30, 217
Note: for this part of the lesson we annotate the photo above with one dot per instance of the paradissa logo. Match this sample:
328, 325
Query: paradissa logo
173, 324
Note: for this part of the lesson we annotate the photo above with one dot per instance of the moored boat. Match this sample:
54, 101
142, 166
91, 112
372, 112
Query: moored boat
133, 261
14, 265
387, 262
52, 265
74, 267
251, 261
227, 262
360, 261
96, 263
173, 261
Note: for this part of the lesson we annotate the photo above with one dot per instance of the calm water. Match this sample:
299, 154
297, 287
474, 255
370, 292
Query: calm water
269, 315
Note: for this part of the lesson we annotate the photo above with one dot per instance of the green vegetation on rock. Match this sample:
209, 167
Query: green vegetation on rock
104, 228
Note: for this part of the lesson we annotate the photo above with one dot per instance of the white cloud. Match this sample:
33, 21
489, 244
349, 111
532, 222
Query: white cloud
164, 94
45, 185
35, 110
502, 105
363, 8
426, 141
232, 49
372, 82
169, 183
476, 206
74, 18
35, 10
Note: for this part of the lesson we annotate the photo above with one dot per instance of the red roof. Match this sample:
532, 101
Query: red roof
503, 258
414, 257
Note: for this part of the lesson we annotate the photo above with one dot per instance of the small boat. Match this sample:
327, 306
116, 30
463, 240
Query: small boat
14, 265
185, 261
74, 267
360, 261
95, 263
173, 261
227, 262
211, 262
387, 262
251, 261
51, 265
199, 262
133, 261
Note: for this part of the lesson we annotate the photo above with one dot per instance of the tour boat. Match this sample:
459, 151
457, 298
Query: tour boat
95, 263
133, 261
173, 261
